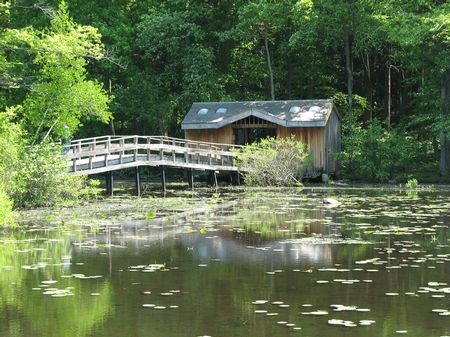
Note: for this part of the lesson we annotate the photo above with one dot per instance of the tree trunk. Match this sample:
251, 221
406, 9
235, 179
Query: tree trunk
289, 63
289, 76
389, 91
444, 164
368, 85
111, 121
349, 69
269, 66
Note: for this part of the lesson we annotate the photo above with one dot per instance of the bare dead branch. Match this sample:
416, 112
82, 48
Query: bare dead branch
46, 9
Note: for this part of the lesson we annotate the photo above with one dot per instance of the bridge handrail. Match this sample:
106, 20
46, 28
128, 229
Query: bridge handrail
83, 140
122, 151
76, 146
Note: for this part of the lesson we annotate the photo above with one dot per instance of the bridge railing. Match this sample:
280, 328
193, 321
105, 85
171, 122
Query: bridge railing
161, 148
94, 144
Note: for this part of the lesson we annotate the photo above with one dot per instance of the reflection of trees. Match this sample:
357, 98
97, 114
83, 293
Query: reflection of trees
27, 312
275, 216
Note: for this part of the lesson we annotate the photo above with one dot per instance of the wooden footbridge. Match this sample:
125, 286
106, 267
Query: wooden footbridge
107, 154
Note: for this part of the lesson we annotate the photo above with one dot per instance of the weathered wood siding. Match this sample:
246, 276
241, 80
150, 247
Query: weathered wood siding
313, 138
323, 143
333, 143
222, 135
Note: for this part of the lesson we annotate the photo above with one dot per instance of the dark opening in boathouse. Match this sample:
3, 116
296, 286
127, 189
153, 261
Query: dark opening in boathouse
317, 123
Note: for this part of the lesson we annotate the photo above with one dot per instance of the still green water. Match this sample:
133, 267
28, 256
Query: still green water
267, 263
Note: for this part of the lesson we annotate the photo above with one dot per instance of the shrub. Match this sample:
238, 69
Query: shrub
7, 215
412, 183
10, 146
44, 180
372, 153
274, 162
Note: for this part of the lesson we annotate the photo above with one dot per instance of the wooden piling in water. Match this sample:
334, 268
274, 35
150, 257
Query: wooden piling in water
110, 183
138, 181
190, 177
213, 178
163, 177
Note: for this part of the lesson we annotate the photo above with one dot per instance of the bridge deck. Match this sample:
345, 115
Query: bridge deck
110, 153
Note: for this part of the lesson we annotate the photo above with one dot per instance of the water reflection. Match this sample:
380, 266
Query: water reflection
27, 259
384, 252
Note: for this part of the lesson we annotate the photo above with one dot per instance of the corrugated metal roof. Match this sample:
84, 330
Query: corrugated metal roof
294, 113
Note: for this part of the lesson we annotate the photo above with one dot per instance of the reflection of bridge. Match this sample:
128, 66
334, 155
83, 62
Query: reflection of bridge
111, 153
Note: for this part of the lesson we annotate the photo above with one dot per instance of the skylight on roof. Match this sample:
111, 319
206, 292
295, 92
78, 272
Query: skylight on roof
202, 111
221, 110
294, 109
315, 108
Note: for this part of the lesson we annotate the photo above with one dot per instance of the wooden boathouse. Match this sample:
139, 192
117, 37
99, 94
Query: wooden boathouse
317, 123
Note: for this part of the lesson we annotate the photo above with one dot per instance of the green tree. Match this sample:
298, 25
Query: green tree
345, 25
182, 65
60, 95
260, 22
422, 32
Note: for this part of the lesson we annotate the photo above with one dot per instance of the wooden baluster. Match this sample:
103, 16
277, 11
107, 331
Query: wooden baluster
122, 152
161, 151
173, 151
136, 141
198, 153
210, 155
149, 140
106, 154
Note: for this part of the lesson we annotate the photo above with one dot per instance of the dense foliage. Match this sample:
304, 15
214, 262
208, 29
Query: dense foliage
373, 153
46, 96
67, 66
274, 162
42, 179
160, 56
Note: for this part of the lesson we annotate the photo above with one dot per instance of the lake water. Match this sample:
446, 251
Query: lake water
258, 263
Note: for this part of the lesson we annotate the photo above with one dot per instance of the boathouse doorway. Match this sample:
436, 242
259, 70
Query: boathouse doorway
252, 129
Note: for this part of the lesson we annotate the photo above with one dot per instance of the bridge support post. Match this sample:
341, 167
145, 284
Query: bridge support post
235, 178
190, 176
109, 183
137, 177
163, 177
213, 178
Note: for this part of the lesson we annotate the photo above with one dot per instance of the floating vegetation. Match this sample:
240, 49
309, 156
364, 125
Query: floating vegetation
260, 311
328, 241
150, 268
147, 305
350, 324
281, 253
150, 215
84, 277
316, 313
340, 307
342, 322
55, 292
166, 294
